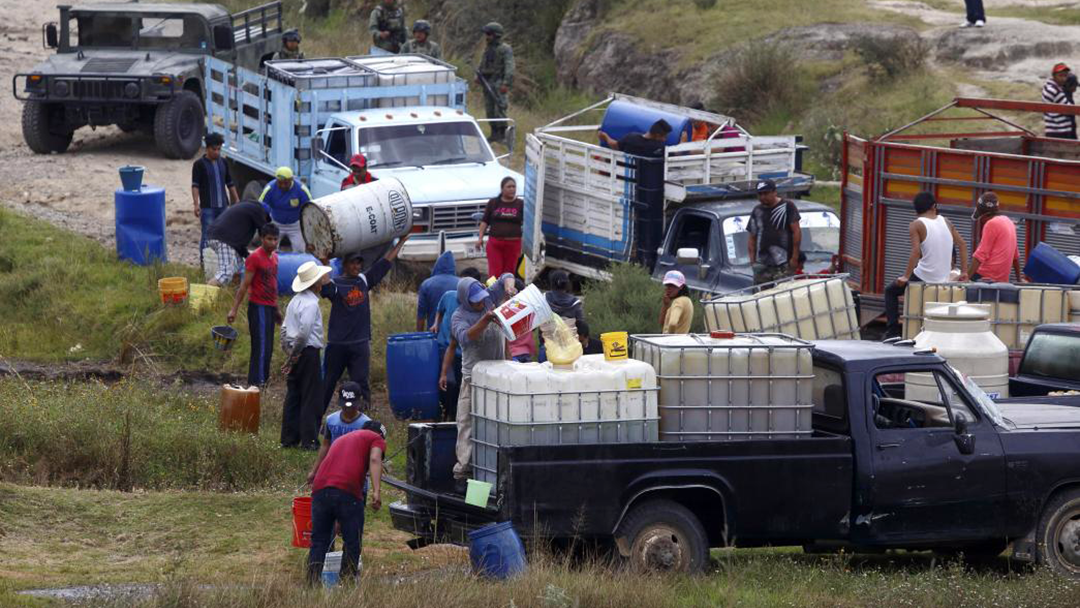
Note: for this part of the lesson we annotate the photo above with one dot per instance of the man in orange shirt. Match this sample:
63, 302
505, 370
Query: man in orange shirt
997, 253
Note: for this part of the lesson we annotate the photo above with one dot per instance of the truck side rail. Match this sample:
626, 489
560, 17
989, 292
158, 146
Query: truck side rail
255, 23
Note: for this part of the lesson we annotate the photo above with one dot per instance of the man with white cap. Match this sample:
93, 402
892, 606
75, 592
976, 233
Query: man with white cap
283, 199
997, 252
302, 339
677, 311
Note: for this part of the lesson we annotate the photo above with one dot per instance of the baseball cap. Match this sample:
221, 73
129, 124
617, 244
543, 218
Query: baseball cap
674, 277
358, 160
355, 255
1061, 67
766, 185
477, 293
376, 426
349, 395
283, 173
987, 202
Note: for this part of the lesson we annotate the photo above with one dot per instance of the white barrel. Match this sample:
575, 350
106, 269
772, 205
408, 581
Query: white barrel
962, 335
356, 219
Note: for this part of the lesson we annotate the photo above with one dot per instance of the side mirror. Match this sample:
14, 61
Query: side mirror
223, 38
52, 37
687, 255
965, 441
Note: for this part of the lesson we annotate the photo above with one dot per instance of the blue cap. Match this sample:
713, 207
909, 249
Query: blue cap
477, 293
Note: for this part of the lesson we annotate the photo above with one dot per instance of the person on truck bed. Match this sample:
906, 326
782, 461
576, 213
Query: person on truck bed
290, 46
284, 198
230, 235
997, 252
212, 189
1061, 126
774, 235
260, 285
481, 338
649, 145
496, 77
677, 310
504, 215
387, 26
421, 44
933, 238
358, 173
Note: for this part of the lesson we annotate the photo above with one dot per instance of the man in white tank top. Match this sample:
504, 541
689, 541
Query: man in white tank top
933, 238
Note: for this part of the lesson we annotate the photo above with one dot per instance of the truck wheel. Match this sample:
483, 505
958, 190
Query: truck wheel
179, 126
39, 130
664, 536
1058, 536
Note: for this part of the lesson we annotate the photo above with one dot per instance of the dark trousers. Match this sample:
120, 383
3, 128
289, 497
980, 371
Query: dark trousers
330, 505
448, 398
892, 305
1070, 134
261, 328
975, 11
207, 215
303, 402
356, 358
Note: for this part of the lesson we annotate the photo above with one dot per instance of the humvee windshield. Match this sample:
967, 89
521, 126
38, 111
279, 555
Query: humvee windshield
125, 30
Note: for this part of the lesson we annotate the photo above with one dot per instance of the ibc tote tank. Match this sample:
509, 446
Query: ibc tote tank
961, 334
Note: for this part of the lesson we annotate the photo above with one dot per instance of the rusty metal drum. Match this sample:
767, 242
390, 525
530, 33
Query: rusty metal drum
357, 219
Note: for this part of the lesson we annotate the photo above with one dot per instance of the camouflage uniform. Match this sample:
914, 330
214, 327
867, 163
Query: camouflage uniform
429, 48
391, 19
497, 67
287, 54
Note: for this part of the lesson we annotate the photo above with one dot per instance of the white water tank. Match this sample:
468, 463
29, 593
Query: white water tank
961, 334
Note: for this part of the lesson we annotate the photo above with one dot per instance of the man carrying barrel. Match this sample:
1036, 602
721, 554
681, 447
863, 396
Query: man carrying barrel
349, 340
284, 198
358, 173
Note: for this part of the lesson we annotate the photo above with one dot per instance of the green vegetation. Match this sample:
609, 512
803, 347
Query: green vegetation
630, 302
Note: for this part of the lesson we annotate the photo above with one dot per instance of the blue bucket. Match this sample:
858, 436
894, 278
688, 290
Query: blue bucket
496, 551
131, 177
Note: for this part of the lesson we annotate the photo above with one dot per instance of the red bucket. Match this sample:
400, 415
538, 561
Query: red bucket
301, 522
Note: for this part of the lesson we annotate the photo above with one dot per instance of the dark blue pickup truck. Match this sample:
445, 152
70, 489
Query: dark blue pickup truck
888, 466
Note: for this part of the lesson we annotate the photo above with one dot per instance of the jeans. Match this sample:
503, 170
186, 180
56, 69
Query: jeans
892, 305
303, 402
207, 215
502, 256
975, 11
261, 328
356, 358
330, 505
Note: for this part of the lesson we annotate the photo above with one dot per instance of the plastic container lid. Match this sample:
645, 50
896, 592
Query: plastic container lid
959, 311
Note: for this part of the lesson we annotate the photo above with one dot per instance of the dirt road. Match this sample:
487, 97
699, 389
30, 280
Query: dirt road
74, 190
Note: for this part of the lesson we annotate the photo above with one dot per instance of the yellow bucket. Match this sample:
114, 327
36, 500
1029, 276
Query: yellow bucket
202, 295
173, 290
615, 345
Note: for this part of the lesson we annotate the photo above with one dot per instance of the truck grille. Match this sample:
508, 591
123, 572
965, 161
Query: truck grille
457, 217
98, 89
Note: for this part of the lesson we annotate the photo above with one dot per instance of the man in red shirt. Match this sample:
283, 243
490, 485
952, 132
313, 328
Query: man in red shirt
997, 253
260, 279
337, 496
359, 174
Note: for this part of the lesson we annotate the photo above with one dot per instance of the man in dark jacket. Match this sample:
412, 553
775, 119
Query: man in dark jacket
442, 280
562, 303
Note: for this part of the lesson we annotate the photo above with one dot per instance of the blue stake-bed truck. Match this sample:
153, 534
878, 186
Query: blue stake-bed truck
952, 472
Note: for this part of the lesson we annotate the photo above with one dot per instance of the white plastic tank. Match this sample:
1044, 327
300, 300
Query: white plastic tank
593, 401
356, 219
731, 386
402, 70
811, 309
961, 334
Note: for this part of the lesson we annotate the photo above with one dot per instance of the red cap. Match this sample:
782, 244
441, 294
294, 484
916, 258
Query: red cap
1061, 67
358, 160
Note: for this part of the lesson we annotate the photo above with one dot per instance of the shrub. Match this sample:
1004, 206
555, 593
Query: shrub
759, 80
889, 58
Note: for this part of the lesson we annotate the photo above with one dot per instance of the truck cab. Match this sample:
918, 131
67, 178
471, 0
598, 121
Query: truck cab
441, 158
1049, 363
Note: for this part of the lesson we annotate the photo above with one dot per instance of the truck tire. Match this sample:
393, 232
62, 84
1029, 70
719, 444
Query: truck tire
179, 125
39, 130
1058, 536
664, 536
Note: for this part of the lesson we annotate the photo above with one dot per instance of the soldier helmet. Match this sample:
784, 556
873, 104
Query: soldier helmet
291, 35
421, 26
494, 28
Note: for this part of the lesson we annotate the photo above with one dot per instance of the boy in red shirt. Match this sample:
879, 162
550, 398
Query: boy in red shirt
997, 253
337, 496
260, 278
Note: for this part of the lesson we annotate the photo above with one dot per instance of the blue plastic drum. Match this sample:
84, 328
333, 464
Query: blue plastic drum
287, 265
496, 550
412, 375
623, 118
1048, 265
140, 225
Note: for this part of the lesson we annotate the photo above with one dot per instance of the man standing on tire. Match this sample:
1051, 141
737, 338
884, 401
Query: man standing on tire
284, 198
387, 26
496, 76
212, 189
775, 235
260, 279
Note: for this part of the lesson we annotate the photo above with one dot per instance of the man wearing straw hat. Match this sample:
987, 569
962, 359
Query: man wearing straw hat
302, 339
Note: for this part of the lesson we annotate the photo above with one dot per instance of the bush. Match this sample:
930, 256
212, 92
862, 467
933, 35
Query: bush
889, 58
760, 80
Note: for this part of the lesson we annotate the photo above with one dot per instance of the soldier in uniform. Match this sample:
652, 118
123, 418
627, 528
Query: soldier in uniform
290, 42
421, 44
387, 25
497, 68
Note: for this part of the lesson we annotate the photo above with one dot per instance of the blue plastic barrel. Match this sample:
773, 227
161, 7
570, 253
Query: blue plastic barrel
623, 118
412, 375
287, 265
496, 550
131, 177
1048, 265
140, 225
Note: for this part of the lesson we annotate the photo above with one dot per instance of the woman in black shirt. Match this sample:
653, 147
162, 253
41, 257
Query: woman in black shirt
504, 215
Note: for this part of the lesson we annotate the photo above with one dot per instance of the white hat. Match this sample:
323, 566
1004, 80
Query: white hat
674, 277
307, 274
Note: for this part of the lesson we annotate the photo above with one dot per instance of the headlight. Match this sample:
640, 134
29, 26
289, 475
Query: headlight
61, 88
131, 90
35, 82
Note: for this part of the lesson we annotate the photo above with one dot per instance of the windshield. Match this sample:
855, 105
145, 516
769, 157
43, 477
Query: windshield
441, 143
985, 403
121, 30
1051, 356
820, 235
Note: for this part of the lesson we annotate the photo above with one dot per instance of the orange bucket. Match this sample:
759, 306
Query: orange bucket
301, 522
173, 290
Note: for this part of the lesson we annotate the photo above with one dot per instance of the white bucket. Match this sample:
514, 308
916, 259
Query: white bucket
523, 313
356, 219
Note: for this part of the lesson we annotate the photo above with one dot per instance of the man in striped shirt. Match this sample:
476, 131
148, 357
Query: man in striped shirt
1062, 126
212, 188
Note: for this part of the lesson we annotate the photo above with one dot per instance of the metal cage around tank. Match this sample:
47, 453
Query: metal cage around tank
828, 315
